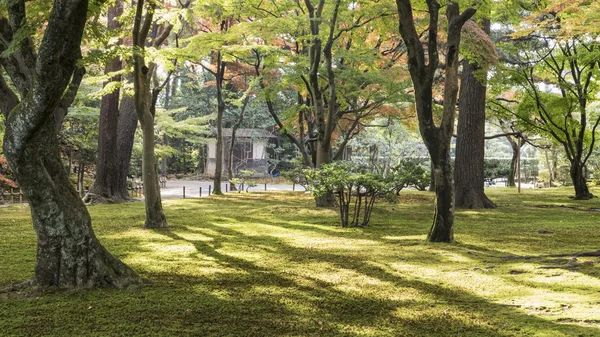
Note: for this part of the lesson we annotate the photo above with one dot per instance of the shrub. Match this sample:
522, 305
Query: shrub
242, 180
411, 172
355, 187
295, 172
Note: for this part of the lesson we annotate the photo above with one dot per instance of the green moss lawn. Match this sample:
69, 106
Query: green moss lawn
274, 265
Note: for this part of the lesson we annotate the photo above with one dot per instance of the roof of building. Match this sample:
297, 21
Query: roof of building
247, 133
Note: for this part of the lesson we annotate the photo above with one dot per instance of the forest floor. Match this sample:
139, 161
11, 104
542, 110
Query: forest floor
271, 264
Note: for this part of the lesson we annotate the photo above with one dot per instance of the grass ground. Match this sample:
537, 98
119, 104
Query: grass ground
274, 265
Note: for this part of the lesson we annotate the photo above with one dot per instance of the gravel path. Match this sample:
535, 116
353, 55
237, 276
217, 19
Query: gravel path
174, 188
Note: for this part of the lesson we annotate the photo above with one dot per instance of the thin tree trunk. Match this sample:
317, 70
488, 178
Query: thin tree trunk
220, 111
437, 139
145, 108
80, 178
513, 162
550, 174
155, 217
232, 144
125, 139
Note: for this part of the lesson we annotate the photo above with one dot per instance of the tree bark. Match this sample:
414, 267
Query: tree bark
436, 138
513, 162
220, 74
442, 229
326, 112
470, 142
577, 172
145, 104
68, 253
232, 143
107, 184
125, 138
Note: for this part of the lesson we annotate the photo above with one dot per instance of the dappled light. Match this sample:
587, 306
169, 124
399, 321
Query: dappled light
296, 272
292, 168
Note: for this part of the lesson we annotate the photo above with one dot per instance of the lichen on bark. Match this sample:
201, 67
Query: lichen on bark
68, 253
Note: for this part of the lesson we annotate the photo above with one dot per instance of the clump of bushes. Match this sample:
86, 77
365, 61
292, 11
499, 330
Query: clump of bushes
356, 189
410, 172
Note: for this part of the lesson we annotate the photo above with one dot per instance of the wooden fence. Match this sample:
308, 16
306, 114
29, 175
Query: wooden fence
11, 196
16, 196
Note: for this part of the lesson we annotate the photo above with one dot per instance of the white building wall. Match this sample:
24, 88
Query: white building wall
258, 149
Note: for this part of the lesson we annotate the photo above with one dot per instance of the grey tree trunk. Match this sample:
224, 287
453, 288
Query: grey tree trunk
232, 143
145, 104
324, 157
513, 162
155, 217
442, 229
68, 253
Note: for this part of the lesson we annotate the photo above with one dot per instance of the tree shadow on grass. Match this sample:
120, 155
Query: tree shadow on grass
353, 310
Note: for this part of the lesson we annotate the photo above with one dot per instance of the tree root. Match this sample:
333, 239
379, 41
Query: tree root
576, 254
16, 287
572, 264
91, 198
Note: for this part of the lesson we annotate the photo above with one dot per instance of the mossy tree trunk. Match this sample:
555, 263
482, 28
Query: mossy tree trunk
68, 253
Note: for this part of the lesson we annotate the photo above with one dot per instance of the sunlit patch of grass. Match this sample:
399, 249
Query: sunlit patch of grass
272, 264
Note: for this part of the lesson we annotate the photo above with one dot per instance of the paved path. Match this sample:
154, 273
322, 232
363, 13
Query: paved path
174, 188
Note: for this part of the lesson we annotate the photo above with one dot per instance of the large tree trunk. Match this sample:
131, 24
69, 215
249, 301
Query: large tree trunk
68, 253
106, 184
577, 172
470, 142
